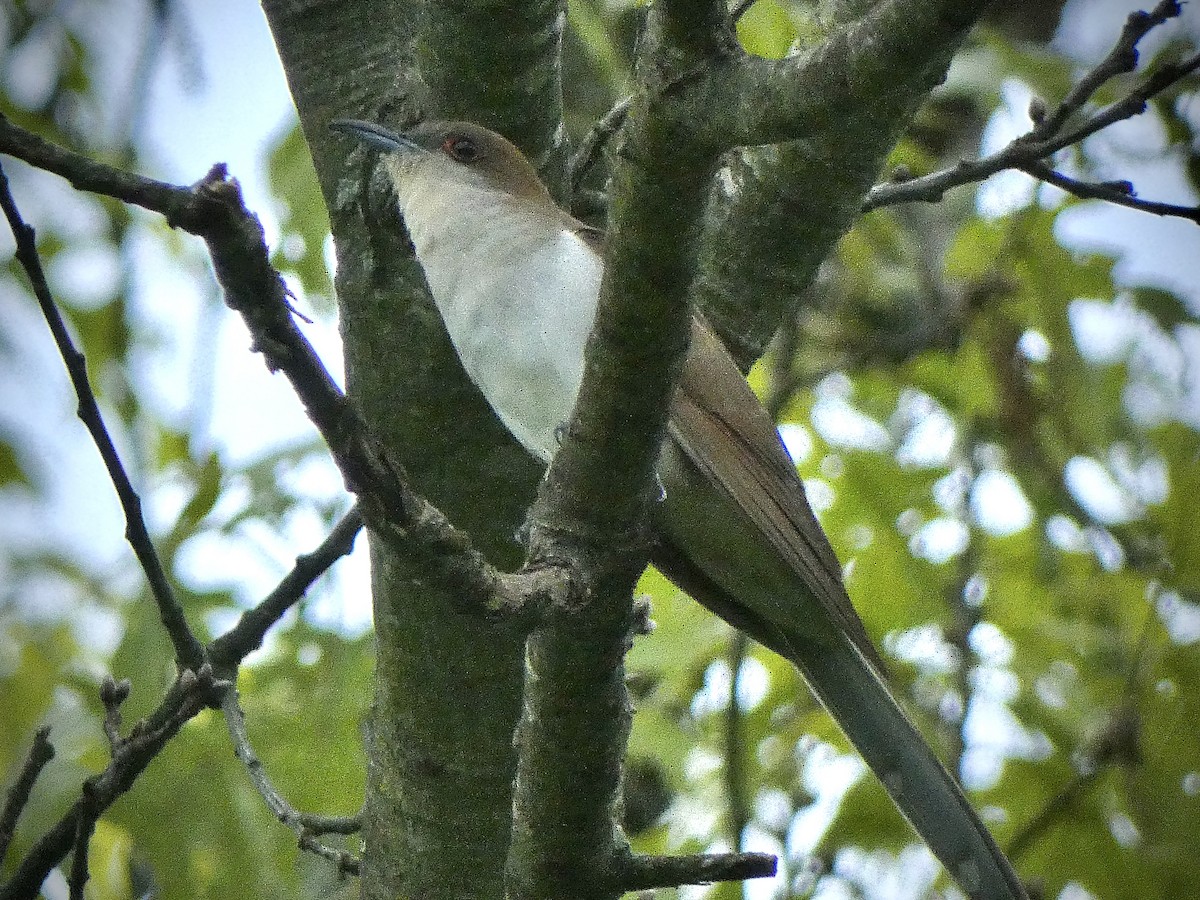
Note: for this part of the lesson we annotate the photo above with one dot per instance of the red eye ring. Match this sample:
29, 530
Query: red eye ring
461, 148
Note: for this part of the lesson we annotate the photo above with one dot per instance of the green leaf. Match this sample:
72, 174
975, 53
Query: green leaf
976, 249
1176, 518
305, 224
1167, 308
12, 467
766, 30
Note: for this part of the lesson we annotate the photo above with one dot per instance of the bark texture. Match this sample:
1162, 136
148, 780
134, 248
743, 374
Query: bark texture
448, 685
449, 691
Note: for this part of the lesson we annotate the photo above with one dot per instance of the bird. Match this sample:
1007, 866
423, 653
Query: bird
517, 281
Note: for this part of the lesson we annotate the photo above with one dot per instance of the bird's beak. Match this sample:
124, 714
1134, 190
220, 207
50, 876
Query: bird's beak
376, 136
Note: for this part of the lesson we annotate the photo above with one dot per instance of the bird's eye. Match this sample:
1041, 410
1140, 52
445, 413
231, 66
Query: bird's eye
462, 149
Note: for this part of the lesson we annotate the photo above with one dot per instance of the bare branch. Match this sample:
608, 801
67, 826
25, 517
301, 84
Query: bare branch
178, 205
593, 145
1056, 806
40, 753
1118, 192
787, 206
213, 210
965, 615
112, 694
247, 635
646, 872
316, 824
890, 57
191, 692
131, 754
564, 804
1028, 153
306, 837
188, 652
84, 827
1133, 104
1115, 745
1123, 57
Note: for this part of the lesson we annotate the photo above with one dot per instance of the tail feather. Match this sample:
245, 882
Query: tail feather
738, 534
919, 784
855, 693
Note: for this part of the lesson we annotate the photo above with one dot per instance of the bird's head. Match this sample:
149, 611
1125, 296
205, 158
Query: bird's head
449, 155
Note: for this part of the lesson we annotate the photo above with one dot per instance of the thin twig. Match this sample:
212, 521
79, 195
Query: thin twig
188, 652
1028, 153
1118, 192
589, 151
247, 635
1122, 58
1132, 104
131, 754
1117, 744
282, 810
735, 777
112, 694
40, 753
318, 825
642, 873
1056, 806
77, 880
213, 209
191, 692
182, 207
965, 617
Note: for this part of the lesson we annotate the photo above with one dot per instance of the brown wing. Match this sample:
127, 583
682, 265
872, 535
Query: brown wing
723, 429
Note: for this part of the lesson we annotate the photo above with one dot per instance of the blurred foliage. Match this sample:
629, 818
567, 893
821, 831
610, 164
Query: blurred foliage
1043, 627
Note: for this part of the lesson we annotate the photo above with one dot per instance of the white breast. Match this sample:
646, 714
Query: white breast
518, 301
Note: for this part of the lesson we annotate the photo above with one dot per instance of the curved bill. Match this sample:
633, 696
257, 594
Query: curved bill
374, 135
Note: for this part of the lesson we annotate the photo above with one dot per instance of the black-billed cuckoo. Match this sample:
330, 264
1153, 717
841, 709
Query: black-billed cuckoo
517, 280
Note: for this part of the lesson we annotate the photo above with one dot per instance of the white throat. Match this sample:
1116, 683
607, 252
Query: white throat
517, 292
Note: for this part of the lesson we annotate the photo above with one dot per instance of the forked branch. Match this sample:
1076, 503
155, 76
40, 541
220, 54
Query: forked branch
1053, 131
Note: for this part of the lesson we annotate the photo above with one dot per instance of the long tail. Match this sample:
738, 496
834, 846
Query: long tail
738, 534
851, 688
919, 784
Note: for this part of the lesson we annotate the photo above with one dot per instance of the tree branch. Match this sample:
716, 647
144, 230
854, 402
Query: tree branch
898, 47
40, 753
1122, 58
84, 826
593, 145
965, 615
112, 694
1119, 193
282, 810
188, 652
1117, 744
648, 872
439, 775
213, 210
247, 635
564, 803
840, 108
317, 824
1028, 153
191, 692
